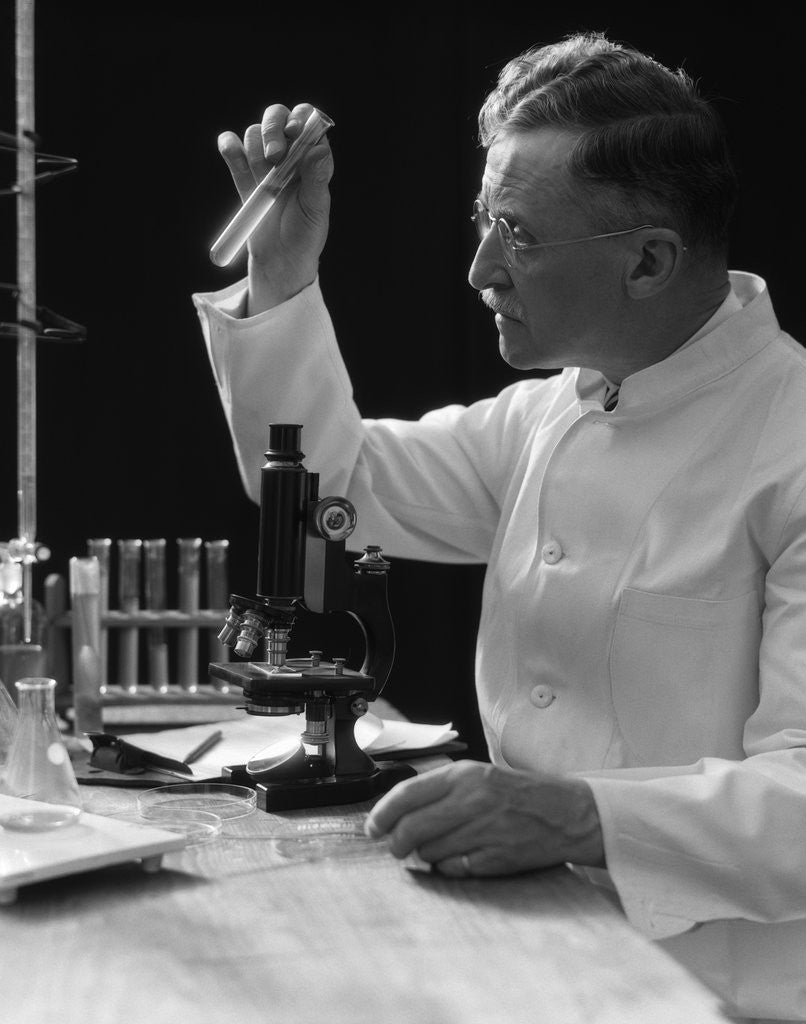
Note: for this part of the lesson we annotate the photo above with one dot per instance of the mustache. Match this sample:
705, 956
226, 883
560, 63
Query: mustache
491, 301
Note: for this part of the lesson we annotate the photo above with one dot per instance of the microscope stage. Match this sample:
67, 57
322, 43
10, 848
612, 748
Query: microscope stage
297, 676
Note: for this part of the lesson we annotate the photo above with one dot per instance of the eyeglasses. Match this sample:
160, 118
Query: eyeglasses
513, 248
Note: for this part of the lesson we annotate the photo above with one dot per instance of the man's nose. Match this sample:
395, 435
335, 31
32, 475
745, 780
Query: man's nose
489, 268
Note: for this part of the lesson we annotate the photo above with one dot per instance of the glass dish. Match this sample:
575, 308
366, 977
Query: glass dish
196, 826
225, 801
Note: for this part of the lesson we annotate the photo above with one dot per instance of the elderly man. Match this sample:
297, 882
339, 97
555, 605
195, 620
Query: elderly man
641, 660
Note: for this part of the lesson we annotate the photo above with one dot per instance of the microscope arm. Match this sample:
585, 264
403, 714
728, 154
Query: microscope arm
369, 606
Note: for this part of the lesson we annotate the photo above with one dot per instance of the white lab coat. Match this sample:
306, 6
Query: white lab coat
644, 609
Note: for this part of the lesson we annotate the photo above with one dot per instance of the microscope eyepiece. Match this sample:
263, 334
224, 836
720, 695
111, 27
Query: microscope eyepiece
284, 443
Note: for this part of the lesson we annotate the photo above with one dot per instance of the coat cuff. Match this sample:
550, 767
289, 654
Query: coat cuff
231, 337
637, 870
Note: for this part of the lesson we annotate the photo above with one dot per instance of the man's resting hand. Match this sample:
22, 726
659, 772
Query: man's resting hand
474, 818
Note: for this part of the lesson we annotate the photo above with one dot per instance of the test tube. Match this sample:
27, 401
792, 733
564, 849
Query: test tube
85, 597
100, 548
235, 235
188, 648
129, 601
216, 552
155, 598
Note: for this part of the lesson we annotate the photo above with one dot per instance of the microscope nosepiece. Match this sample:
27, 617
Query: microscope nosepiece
250, 634
232, 626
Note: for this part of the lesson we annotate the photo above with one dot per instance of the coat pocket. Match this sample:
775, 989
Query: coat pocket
684, 675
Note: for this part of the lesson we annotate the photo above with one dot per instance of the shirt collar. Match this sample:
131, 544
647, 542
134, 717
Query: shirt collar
731, 305
712, 351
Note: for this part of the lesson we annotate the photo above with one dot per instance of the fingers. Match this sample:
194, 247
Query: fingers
444, 807
441, 824
459, 838
279, 125
253, 147
231, 149
476, 864
406, 797
272, 131
316, 171
264, 145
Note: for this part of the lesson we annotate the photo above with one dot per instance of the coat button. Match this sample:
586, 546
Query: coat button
542, 695
551, 552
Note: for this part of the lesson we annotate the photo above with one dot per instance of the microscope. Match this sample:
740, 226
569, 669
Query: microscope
303, 568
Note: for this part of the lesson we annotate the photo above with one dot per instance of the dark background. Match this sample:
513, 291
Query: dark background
132, 440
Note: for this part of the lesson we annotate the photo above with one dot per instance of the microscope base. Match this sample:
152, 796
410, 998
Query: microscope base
291, 794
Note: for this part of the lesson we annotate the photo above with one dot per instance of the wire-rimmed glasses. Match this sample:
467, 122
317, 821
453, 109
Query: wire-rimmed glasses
514, 249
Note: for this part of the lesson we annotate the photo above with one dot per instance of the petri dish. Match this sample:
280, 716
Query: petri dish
225, 801
196, 826
39, 819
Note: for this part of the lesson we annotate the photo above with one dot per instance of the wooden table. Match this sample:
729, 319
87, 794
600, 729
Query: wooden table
274, 921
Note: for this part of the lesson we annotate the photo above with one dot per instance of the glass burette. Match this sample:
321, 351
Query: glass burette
26, 305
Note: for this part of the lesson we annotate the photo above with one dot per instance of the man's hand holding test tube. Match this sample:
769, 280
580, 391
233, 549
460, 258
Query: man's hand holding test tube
285, 243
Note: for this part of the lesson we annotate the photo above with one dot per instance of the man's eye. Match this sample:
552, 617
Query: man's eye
520, 236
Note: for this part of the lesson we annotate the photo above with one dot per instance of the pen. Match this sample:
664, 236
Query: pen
167, 771
204, 746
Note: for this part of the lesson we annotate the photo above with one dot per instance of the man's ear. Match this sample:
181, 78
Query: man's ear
655, 260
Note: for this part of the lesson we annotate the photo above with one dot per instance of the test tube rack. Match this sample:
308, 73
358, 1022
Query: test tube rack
151, 658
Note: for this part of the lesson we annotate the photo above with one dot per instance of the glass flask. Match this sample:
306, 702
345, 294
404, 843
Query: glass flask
38, 765
8, 722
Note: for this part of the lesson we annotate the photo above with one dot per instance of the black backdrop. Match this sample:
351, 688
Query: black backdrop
132, 441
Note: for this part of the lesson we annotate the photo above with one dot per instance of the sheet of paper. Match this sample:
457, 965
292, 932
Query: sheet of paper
244, 738
402, 735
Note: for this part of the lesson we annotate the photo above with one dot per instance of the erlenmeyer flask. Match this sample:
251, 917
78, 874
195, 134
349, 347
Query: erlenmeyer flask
38, 765
8, 722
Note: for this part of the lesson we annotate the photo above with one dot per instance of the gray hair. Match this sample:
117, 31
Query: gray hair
648, 147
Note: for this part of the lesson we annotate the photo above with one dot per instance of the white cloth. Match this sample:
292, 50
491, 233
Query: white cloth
644, 608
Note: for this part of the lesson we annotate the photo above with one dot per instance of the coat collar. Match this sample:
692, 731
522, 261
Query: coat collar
710, 354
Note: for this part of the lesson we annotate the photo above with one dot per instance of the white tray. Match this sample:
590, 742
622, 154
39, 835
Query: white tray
90, 842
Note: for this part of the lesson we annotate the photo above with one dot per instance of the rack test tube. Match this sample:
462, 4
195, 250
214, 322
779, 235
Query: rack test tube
189, 578
156, 597
129, 552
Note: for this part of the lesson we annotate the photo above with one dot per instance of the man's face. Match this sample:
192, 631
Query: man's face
564, 305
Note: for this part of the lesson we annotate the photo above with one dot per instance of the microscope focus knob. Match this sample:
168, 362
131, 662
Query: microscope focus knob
359, 707
334, 518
